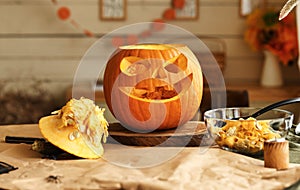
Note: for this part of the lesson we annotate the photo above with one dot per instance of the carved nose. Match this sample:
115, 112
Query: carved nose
159, 73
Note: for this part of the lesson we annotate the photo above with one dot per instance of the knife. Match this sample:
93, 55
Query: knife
287, 8
5, 167
25, 140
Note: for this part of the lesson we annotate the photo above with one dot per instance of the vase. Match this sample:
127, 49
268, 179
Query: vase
271, 75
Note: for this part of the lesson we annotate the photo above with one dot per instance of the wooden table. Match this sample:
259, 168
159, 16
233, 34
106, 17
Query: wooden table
128, 167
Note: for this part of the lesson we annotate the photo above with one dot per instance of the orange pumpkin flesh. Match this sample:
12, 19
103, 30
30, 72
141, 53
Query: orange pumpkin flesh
78, 128
153, 86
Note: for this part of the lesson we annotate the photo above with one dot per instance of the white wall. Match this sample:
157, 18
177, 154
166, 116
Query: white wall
35, 44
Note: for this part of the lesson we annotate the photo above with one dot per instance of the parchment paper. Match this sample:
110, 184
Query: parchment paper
192, 168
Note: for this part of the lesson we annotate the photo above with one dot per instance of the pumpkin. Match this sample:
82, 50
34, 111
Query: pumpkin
79, 128
153, 86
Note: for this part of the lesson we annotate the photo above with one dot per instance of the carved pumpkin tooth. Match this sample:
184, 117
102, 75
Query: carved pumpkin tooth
126, 89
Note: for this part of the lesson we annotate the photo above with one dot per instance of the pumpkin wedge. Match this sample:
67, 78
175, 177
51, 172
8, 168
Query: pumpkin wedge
79, 128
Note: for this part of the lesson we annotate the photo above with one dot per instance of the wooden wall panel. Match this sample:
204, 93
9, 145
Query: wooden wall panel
47, 68
45, 46
34, 43
41, 18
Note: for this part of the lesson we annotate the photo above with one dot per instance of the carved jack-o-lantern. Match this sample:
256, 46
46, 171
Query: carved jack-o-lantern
153, 86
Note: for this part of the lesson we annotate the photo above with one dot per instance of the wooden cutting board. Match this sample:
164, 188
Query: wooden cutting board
192, 133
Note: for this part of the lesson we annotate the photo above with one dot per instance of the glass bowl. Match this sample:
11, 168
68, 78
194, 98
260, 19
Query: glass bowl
247, 136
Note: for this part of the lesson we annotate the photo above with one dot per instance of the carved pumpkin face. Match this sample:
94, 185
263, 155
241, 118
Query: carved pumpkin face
153, 86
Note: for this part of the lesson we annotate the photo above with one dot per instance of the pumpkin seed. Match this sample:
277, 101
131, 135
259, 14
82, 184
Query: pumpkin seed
74, 135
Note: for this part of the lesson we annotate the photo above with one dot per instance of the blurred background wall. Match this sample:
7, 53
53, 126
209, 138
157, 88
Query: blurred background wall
39, 53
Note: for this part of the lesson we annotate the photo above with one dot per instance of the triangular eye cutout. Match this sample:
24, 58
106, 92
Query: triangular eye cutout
176, 64
132, 65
